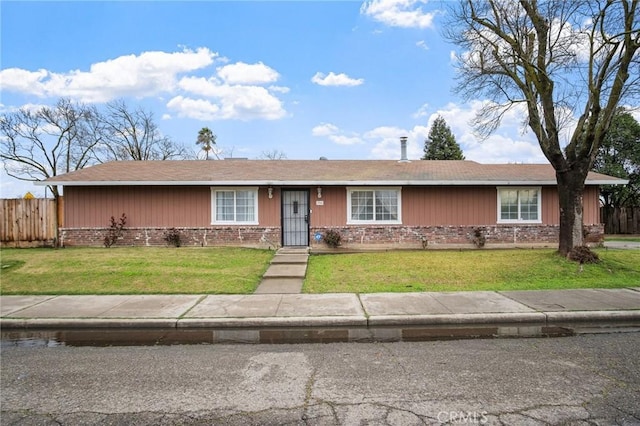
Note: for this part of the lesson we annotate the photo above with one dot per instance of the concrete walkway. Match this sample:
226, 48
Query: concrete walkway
294, 318
286, 272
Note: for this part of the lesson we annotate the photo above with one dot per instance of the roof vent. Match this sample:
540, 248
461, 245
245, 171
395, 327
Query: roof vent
403, 149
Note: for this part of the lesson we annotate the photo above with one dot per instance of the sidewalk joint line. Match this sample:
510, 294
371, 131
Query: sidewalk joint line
181, 316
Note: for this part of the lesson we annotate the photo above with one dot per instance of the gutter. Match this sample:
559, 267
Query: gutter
323, 183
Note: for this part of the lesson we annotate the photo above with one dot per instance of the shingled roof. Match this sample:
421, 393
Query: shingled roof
314, 172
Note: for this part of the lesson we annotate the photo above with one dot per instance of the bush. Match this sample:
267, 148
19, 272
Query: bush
478, 239
172, 237
583, 254
115, 230
332, 238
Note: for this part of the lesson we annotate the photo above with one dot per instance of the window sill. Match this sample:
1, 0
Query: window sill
519, 222
374, 222
235, 223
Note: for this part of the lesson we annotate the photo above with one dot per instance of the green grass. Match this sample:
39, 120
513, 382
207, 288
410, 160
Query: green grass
631, 238
129, 270
427, 270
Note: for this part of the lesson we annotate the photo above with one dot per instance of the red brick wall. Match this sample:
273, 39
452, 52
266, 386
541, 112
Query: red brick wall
352, 236
214, 236
425, 236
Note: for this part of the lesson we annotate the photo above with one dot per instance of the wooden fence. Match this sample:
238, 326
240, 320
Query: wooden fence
28, 222
620, 220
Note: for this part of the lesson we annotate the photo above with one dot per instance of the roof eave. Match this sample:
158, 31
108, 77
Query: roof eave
325, 183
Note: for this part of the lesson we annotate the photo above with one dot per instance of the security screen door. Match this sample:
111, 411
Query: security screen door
295, 218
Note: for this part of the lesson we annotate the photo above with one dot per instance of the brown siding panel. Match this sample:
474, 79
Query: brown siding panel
441, 206
143, 206
591, 203
268, 208
333, 211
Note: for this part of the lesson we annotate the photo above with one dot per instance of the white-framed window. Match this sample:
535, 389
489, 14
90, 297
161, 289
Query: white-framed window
374, 206
520, 205
234, 206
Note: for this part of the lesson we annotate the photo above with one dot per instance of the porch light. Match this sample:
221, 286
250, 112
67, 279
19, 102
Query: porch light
319, 192
270, 190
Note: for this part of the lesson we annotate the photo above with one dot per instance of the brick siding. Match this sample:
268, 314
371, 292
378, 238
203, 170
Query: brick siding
430, 236
190, 237
352, 236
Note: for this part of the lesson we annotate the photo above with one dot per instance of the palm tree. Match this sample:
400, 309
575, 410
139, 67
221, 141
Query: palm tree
207, 139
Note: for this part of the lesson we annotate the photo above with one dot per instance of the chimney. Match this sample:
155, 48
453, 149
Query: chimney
403, 149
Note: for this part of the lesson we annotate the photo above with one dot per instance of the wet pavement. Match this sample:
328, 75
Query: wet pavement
339, 317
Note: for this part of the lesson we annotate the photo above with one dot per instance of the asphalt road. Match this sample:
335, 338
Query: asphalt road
587, 379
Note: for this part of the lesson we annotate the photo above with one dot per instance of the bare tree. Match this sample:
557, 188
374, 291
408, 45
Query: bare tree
570, 63
134, 135
272, 155
50, 141
43, 143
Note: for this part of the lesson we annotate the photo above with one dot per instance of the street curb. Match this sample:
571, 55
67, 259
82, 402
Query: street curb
592, 316
348, 321
275, 322
85, 323
540, 318
457, 319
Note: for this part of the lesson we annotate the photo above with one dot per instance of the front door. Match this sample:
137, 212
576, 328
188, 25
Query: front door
295, 217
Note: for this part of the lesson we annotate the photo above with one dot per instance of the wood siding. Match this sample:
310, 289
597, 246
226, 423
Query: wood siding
143, 206
27, 221
333, 208
190, 206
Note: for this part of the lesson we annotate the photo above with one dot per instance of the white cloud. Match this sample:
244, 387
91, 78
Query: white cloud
199, 109
147, 74
333, 79
235, 91
335, 135
421, 112
387, 146
23, 81
510, 143
324, 129
422, 45
28, 107
226, 102
279, 89
398, 13
241, 73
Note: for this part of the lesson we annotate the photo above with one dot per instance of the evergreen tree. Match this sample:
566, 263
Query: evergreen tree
441, 144
619, 156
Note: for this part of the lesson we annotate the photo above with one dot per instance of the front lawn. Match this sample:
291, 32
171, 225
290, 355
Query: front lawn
130, 270
431, 270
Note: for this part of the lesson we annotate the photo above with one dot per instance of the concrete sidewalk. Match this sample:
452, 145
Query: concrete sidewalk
261, 318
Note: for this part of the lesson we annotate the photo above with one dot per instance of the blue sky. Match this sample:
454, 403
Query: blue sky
338, 79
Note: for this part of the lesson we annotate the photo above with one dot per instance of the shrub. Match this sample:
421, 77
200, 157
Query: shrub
478, 239
332, 238
583, 254
172, 237
115, 230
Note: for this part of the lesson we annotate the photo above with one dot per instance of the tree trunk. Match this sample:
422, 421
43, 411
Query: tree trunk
570, 193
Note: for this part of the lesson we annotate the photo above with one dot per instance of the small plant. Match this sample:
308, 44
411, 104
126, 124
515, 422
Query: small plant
332, 238
582, 255
115, 230
479, 239
172, 237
